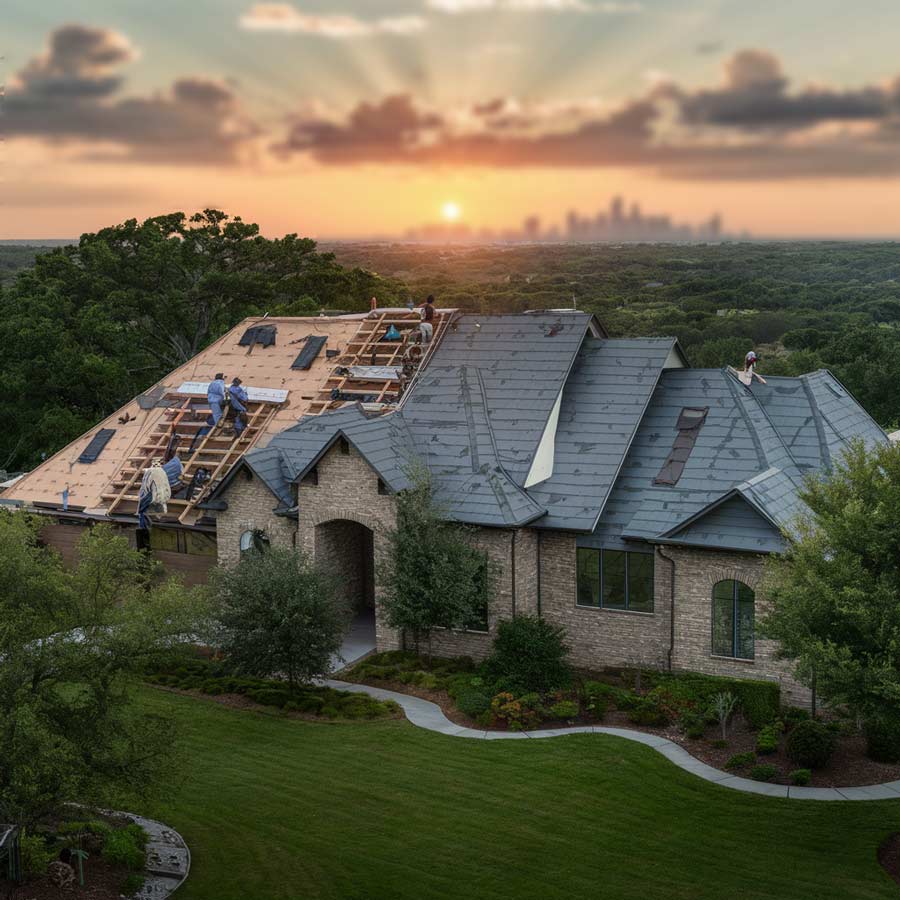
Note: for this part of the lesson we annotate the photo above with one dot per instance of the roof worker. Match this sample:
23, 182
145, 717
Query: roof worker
237, 397
750, 361
215, 396
427, 327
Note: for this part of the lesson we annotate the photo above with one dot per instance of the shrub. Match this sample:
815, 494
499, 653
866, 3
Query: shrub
719, 744
722, 707
597, 706
473, 702
793, 715
132, 884
811, 744
35, 855
759, 700
767, 740
648, 712
765, 772
740, 760
627, 700
122, 847
692, 724
800, 777
565, 709
308, 703
883, 739
269, 696
515, 714
530, 654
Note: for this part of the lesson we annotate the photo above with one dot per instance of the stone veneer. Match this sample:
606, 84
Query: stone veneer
535, 571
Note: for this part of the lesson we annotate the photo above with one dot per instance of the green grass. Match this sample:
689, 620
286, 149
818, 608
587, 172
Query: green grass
278, 808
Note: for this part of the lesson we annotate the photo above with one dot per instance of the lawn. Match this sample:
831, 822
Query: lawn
278, 808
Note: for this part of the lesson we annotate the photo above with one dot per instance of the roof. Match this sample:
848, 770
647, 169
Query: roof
741, 482
265, 367
603, 403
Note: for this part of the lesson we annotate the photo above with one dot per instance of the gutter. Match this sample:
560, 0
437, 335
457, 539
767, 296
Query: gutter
671, 563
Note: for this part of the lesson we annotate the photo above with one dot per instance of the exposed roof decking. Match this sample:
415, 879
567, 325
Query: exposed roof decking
264, 367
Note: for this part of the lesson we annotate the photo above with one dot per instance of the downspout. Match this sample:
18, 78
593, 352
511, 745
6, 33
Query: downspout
671, 562
512, 556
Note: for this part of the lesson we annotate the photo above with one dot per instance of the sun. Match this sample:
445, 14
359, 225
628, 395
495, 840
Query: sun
451, 211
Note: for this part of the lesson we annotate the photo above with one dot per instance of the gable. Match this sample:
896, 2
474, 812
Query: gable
733, 524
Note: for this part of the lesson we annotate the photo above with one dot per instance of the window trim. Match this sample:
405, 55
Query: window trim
618, 609
734, 628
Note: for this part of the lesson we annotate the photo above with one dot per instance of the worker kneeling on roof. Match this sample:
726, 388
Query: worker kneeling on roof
237, 397
427, 326
215, 396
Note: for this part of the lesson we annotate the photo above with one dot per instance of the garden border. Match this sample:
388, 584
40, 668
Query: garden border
162, 878
428, 715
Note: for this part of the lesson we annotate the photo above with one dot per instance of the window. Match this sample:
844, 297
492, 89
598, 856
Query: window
177, 540
255, 540
614, 579
733, 620
480, 621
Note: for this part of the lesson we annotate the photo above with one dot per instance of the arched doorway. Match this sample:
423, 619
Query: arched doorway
347, 550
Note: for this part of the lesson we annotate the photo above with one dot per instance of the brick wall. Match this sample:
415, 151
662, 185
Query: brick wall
696, 572
602, 637
250, 507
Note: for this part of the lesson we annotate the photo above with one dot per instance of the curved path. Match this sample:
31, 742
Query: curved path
168, 858
429, 715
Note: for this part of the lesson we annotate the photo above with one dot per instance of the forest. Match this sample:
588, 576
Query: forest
89, 325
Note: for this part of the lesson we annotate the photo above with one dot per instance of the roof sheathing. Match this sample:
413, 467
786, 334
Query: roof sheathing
265, 367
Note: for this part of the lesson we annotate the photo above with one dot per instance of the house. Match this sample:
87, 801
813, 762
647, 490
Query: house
620, 493
285, 363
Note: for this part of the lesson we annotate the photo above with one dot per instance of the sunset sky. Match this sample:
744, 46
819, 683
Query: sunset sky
349, 118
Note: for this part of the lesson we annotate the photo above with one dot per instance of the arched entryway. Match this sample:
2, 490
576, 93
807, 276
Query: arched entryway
346, 549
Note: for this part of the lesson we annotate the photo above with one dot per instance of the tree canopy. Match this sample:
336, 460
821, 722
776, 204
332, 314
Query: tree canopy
835, 592
71, 644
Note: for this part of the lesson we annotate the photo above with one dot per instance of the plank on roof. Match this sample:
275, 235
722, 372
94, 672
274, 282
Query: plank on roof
312, 348
96, 445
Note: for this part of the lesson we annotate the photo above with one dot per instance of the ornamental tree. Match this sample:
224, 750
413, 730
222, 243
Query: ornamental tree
277, 614
432, 576
834, 594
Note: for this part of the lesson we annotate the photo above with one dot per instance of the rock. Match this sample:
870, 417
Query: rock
62, 875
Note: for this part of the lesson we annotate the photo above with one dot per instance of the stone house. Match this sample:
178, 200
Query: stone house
619, 492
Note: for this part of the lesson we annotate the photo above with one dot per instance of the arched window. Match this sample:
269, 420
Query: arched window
733, 620
254, 540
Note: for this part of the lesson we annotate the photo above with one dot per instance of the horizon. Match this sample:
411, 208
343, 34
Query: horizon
351, 121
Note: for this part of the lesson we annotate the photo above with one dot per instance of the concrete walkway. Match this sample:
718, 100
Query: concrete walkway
358, 641
426, 714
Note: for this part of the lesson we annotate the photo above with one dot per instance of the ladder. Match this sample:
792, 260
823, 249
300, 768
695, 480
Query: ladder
366, 348
217, 451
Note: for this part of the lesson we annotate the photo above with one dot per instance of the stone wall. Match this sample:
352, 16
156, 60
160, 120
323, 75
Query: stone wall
250, 508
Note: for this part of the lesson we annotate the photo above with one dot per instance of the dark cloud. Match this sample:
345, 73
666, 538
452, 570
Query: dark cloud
755, 95
708, 48
751, 126
73, 92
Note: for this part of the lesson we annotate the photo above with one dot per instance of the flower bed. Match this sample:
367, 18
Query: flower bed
758, 731
109, 848
215, 680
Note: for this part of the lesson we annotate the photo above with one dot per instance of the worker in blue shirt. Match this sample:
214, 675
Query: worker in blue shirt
238, 398
215, 396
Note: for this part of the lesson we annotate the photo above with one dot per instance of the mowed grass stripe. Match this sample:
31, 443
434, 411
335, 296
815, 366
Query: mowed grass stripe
277, 808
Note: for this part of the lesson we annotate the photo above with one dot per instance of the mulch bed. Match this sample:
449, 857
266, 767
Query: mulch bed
239, 701
889, 856
848, 767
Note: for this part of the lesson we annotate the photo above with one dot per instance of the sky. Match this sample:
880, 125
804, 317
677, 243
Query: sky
356, 118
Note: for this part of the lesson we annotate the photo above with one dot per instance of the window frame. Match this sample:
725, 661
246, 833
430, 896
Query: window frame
626, 607
736, 640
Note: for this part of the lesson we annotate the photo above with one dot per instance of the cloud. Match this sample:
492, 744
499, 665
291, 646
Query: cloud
73, 93
610, 7
285, 18
752, 125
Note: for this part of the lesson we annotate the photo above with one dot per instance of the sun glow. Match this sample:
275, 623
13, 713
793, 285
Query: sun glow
451, 211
